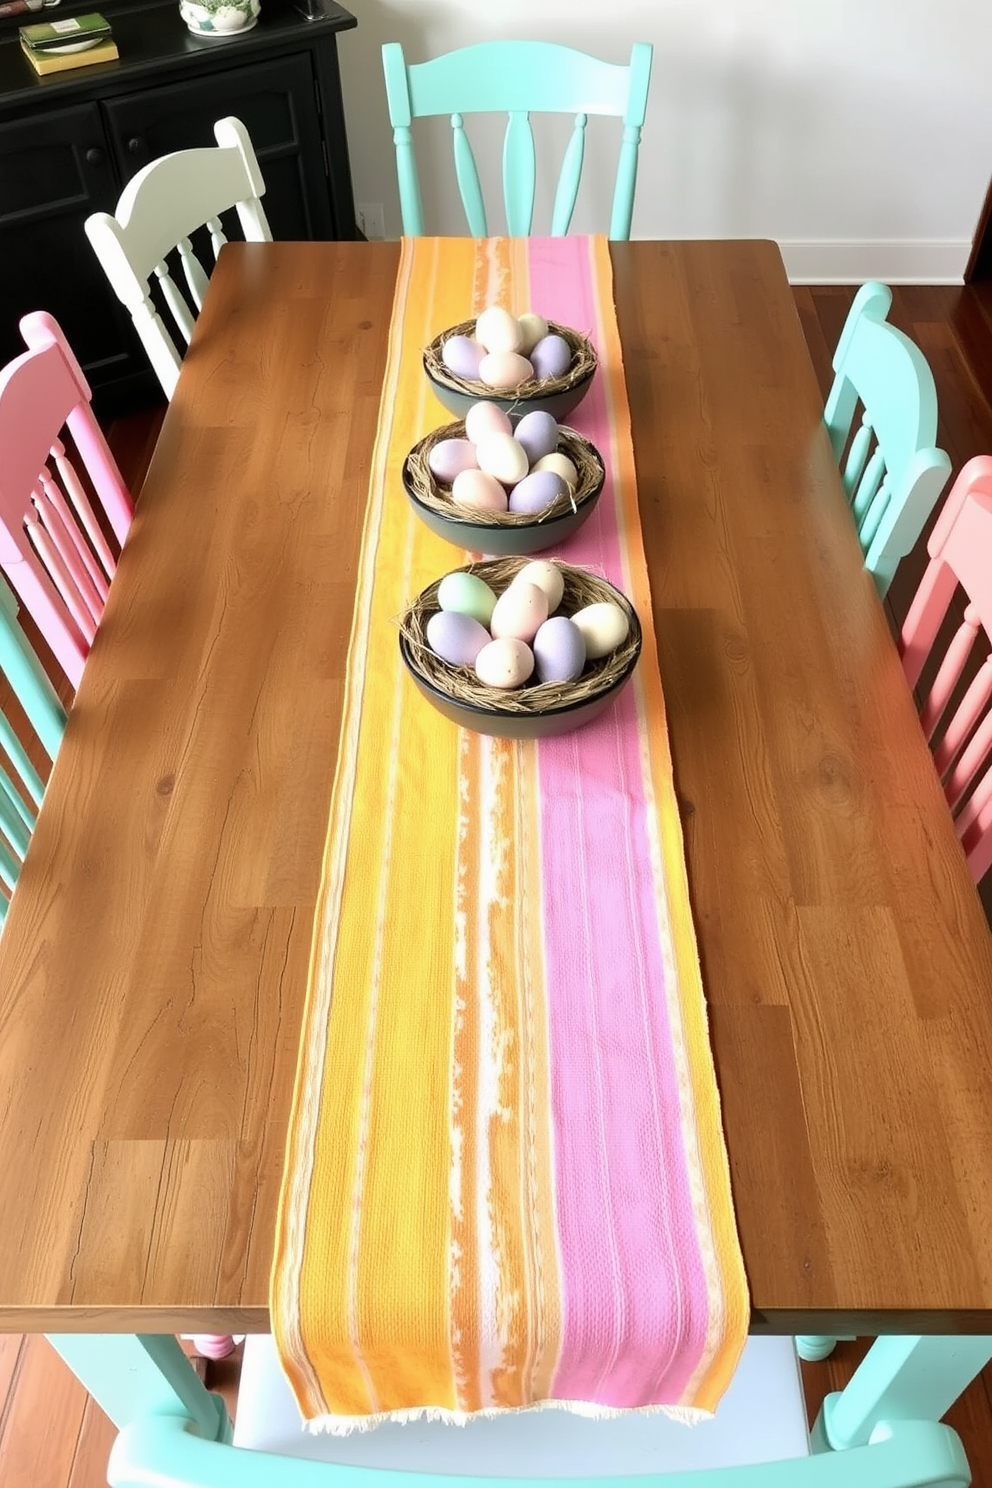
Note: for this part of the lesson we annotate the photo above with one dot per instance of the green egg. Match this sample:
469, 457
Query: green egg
466, 594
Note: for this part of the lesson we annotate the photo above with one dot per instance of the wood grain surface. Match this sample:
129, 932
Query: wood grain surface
153, 968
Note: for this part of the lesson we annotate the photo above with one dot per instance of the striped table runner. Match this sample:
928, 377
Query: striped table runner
506, 1182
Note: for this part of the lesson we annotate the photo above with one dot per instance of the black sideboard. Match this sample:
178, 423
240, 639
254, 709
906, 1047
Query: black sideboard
69, 142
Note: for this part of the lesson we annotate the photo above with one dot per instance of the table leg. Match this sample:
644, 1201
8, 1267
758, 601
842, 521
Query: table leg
901, 1379
133, 1375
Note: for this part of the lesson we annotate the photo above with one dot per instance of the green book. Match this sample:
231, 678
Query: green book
92, 27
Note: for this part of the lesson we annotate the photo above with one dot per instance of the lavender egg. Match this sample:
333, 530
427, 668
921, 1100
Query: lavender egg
450, 457
463, 356
457, 639
551, 357
559, 650
536, 492
538, 433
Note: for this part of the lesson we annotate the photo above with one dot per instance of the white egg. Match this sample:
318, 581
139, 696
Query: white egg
498, 330
520, 612
477, 491
505, 662
500, 455
546, 576
604, 627
486, 418
533, 328
505, 369
561, 465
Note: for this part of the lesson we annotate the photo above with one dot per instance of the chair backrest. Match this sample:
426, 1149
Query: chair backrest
56, 553
38, 732
159, 210
891, 492
517, 78
955, 713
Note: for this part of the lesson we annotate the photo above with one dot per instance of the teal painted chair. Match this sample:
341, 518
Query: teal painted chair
517, 78
892, 472
180, 1441
21, 786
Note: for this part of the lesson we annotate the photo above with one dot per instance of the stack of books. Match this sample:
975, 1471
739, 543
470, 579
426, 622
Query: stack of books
55, 46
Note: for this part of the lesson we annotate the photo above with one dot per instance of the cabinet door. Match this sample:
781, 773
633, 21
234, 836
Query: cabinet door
276, 103
55, 169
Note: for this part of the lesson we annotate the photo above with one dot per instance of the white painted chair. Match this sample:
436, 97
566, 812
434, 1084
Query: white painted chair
157, 213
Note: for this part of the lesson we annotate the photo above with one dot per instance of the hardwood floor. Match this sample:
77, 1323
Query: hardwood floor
51, 1433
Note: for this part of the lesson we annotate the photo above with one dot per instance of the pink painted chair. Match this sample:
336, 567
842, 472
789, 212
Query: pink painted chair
955, 715
53, 549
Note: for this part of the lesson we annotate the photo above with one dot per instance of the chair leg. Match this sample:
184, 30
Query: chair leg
902, 1379
132, 1375
211, 1345
815, 1346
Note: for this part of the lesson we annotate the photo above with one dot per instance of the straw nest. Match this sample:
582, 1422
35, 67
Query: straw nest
433, 494
582, 365
581, 588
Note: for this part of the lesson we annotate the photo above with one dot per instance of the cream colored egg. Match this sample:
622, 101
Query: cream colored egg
533, 328
477, 491
500, 455
604, 627
546, 576
561, 465
504, 663
505, 369
486, 418
497, 330
520, 611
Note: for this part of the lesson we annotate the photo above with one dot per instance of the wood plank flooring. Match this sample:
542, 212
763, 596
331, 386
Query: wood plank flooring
51, 1434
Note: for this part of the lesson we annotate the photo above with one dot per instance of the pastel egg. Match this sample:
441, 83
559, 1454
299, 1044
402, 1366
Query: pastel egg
538, 433
505, 662
500, 455
520, 612
467, 594
559, 650
505, 369
451, 456
533, 328
498, 330
561, 465
546, 576
477, 491
463, 356
456, 638
604, 627
536, 492
486, 418
551, 357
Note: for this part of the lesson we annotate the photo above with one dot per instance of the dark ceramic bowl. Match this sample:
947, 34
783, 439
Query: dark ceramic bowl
557, 396
472, 531
559, 717
559, 404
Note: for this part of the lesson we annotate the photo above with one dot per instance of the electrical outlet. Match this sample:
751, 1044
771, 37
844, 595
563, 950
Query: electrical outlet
371, 221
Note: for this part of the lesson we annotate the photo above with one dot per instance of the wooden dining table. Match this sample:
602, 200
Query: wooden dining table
153, 968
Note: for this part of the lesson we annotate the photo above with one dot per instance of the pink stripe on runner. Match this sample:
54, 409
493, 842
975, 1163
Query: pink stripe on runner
635, 1309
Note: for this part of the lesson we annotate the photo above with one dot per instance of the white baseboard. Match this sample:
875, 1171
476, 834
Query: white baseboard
902, 261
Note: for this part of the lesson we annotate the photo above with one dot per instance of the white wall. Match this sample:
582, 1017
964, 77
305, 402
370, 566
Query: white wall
858, 133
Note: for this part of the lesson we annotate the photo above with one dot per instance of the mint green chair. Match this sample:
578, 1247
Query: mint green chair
892, 472
517, 78
21, 787
186, 1445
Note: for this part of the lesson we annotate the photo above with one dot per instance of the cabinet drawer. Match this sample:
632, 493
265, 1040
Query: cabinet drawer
274, 100
52, 164
54, 171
